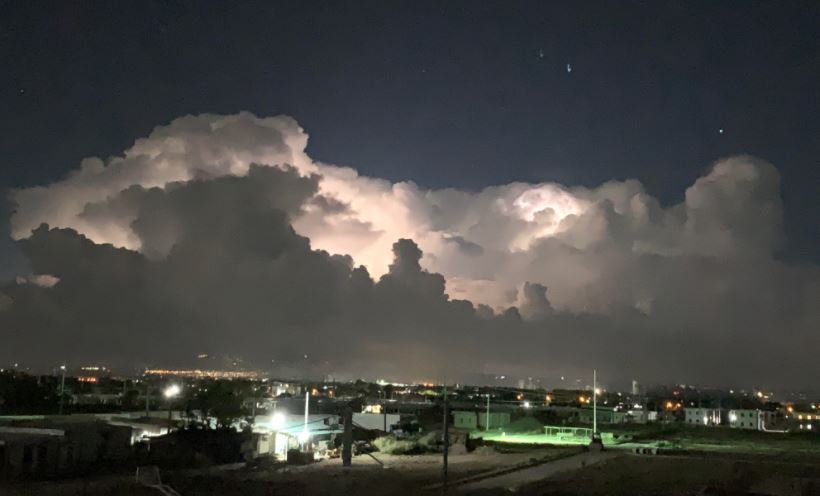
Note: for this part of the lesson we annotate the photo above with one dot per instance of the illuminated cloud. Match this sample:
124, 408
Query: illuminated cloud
223, 225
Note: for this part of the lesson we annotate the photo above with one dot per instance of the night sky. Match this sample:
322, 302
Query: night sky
463, 95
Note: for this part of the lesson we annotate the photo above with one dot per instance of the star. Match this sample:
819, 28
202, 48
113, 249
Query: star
569, 68
720, 130
540, 54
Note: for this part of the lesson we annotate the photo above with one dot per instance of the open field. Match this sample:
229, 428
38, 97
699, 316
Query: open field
690, 460
675, 438
400, 475
673, 476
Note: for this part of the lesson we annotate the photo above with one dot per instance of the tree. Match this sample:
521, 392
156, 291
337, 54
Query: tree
222, 401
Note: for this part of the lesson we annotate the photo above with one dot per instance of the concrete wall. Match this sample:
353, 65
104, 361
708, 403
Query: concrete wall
375, 421
497, 419
465, 420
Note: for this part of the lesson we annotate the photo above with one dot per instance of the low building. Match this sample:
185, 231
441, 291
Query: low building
605, 415
756, 420
704, 416
282, 432
59, 446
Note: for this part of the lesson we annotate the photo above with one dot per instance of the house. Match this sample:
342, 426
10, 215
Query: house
283, 431
703, 416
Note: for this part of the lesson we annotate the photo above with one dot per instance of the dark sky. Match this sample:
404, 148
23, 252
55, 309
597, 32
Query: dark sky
463, 94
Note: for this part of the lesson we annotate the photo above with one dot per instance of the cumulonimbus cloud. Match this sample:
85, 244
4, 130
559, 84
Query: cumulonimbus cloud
704, 268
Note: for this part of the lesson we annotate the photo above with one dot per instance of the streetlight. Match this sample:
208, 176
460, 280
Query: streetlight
62, 387
277, 420
171, 392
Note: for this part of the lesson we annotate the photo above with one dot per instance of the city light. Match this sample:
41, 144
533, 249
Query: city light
209, 374
526, 404
303, 437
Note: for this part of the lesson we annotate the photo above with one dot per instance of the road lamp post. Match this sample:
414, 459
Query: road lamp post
171, 392
62, 387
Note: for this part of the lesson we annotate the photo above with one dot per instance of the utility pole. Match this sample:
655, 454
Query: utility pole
307, 411
147, 400
170, 409
347, 438
594, 402
62, 387
446, 445
487, 420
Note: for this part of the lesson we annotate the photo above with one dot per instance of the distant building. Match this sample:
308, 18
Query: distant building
605, 415
569, 396
463, 419
636, 388
703, 416
377, 421
803, 421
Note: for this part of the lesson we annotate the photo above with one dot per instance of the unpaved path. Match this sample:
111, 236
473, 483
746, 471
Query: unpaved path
539, 472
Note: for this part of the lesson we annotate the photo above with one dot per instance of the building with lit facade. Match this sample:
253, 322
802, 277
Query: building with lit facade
703, 416
756, 420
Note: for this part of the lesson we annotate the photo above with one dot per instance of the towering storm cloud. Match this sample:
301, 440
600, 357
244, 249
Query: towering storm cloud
221, 233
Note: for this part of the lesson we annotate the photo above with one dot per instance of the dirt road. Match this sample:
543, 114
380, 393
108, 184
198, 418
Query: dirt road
532, 474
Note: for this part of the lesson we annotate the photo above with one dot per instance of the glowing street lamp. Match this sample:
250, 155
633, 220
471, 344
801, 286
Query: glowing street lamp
62, 387
277, 420
171, 392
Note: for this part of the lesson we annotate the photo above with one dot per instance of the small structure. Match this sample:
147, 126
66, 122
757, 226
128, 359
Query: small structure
281, 432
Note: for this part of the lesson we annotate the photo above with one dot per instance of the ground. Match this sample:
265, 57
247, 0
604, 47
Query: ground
690, 460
